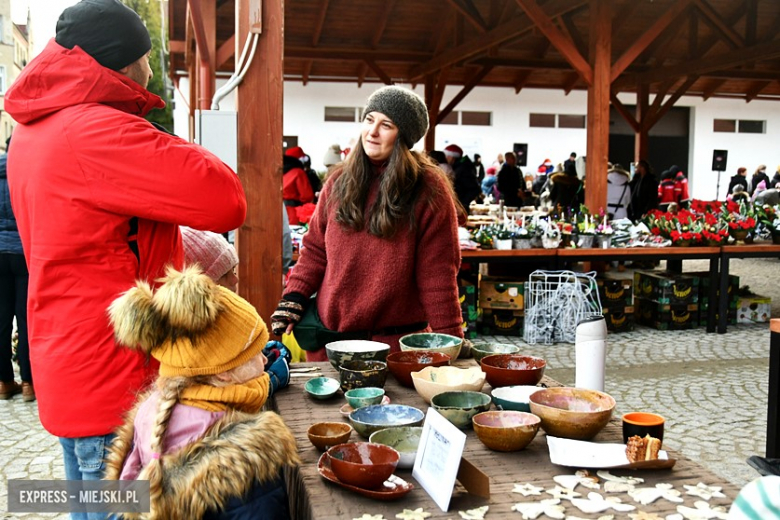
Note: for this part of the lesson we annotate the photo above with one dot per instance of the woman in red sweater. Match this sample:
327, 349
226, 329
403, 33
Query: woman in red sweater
382, 251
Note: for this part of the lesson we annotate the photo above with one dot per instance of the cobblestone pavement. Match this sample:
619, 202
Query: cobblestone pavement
711, 388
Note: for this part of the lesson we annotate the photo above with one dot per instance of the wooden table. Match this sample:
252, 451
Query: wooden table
726, 254
312, 497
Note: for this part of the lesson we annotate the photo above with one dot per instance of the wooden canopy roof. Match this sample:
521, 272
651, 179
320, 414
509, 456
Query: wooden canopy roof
710, 47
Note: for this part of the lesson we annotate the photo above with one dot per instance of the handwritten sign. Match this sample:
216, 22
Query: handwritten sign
438, 458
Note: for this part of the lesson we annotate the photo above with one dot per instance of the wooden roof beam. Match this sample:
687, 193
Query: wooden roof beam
381, 23
306, 71
506, 31
470, 13
712, 88
322, 12
641, 43
521, 79
693, 34
569, 82
379, 72
199, 29
565, 46
226, 51
753, 92
751, 22
535, 64
570, 30
708, 43
623, 111
353, 53
712, 19
468, 87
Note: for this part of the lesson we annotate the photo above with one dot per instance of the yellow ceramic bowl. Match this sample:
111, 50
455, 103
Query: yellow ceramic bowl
431, 381
572, 413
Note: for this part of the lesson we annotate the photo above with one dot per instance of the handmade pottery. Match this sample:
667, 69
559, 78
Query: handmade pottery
369, 419
326, 434
460, 407
402, 364
404, 440
512, 369
392, 488
572, 413
506, 430
360, 374
480, 350
321, 387
431, 381
363, 464
432, 342
355, 350
514, 397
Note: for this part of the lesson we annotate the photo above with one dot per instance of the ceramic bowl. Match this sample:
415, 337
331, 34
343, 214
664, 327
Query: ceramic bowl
506, 430
514, 397
480, 350
402, 364
404, 440
360, 374
360, 397
431, 381
326, 434
355, 350
432, 342
376, 417
572, 413
512, 369
363, 464
321, 387
460, 407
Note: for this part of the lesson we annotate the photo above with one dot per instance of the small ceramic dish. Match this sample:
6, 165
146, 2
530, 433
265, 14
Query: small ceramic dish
324, 435
480, 350
322, 387
360, 397
393, 488
404, 440
347, 409
515, 397
369, 419
460, 407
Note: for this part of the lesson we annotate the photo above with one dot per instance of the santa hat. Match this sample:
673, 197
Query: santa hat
491, 170
296, 152
210, 251
453, 150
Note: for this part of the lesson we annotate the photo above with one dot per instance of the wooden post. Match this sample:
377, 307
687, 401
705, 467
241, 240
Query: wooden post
772, 416
259, 104
598, 105
641, 141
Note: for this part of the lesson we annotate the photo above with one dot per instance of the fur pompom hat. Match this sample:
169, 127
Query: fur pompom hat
209, 250
405, 108
191, 325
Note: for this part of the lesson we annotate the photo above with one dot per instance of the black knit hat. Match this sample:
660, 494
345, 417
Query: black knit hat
107, 30
405, 108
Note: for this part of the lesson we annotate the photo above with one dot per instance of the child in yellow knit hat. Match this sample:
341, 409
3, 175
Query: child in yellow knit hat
205, 406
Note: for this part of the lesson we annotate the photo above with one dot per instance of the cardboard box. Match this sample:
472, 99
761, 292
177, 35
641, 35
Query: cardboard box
731, 316
615, 292
502, 322
662, 316
666, 287
619, 319
467, 294
754, 309
501, 293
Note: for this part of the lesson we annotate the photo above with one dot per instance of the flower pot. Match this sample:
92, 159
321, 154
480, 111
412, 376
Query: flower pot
739, 234
603, 241
551, 242
713, 243
776, 237
536, 241
585, 241
682, 243
521, 243
502, 243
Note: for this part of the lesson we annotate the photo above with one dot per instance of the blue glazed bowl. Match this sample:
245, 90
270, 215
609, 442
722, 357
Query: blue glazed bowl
377, 417
322, 387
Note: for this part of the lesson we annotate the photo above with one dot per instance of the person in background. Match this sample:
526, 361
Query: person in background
775, 179
758, 176
213, 254
738, 179
567, 190
510, 181
314, 179
618, 192
332, 156
99, 194
739, 194
666, 192
296, 188
382, 251
13, 297
489, 184
644, 191
466, 186
499, 162
440, 159
681, 190
572, 160
769, 197
759, 189
480, 168
199, 437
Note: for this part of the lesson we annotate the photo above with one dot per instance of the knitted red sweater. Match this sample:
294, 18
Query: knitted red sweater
368, 283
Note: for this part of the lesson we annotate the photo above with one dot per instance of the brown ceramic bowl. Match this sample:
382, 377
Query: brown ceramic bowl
402, 364
360, 374
506, 430
326, 434
572, 413
363, 464
512, 369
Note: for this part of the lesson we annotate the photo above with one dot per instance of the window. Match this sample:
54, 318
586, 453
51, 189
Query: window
2, 79
476, 118
724, 125
752, 127
542, 120
451, 119
571, 121
343, 114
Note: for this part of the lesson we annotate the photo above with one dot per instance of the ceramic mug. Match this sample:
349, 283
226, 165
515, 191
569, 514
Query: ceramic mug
643, 423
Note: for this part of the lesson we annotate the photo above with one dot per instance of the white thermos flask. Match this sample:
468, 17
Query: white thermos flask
590, 349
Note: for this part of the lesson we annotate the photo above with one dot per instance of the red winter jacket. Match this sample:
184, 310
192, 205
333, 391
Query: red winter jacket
82, 165
666, 192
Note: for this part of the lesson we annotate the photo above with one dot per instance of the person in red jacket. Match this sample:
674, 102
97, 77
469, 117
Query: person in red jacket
296, 187
666, 192
681, 190
99, 194
382, 251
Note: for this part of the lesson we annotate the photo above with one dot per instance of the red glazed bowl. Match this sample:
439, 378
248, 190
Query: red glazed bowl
363, 464
402, 364
512, 369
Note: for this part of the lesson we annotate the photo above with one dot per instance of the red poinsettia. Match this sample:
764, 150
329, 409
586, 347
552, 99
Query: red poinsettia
305, 212
748, 223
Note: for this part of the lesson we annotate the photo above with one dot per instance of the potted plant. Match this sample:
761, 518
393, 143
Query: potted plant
604, 234
586, 229
769, 217
522, 237
503, 239
551, 235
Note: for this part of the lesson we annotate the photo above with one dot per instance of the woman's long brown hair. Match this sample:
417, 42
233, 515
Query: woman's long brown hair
400, 188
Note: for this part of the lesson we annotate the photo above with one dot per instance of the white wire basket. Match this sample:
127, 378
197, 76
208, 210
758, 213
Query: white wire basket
555, 301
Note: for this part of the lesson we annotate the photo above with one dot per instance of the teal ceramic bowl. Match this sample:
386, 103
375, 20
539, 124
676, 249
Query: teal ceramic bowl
480, 350
377, 417
356, 350
432, 342
322, 387
514, 397
404, 440
360, 397
460, 407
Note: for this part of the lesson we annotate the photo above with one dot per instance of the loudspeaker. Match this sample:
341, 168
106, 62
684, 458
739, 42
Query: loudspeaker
521, 151
719, 158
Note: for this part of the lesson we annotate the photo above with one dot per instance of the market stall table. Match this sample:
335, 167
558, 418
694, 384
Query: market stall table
312, 497
760, 250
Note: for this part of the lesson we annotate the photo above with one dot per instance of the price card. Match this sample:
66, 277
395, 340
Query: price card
438, 458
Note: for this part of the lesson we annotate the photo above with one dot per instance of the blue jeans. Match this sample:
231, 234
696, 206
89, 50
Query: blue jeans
84, 458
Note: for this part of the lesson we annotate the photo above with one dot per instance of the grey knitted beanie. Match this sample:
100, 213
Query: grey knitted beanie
405, 108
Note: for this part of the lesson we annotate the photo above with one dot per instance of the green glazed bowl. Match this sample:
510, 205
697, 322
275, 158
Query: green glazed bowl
322, 387
360, 397
432, 342
460, 407
480, 350
404, 440
514, 397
